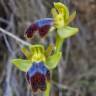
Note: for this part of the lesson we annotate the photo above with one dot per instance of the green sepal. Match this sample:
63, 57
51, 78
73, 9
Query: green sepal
22, 64
53, 61
54, 12
62, 9
67, 32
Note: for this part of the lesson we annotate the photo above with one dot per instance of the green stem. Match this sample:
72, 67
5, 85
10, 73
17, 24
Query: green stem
47, 92
59, 42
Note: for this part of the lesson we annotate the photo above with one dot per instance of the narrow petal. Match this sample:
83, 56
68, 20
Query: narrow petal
67, 32
52, 61
26, 52
21, 64
49, 50
71, 18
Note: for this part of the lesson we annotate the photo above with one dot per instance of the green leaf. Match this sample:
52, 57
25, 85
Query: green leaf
52, 61
67, 32
21, 64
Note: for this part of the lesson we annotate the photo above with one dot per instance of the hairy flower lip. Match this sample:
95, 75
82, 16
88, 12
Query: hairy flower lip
41, 26
39, 79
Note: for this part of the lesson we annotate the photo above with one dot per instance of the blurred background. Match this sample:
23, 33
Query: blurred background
76, 73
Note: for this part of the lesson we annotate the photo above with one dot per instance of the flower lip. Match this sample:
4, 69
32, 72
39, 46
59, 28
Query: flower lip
42, 26
37, 67
31, 30
37, 76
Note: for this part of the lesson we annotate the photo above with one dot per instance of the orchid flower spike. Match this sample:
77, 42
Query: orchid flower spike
39, 60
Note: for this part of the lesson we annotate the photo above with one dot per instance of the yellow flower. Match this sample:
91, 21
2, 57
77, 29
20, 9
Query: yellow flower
61, 19
37, 65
